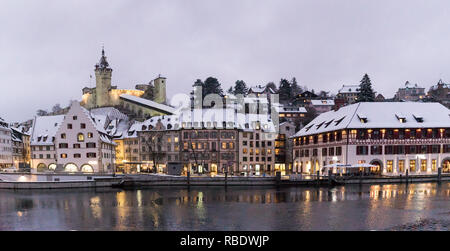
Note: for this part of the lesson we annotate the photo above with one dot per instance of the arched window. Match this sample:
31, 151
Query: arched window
71, 168
87, 168
41, 167
52, 167
80, 137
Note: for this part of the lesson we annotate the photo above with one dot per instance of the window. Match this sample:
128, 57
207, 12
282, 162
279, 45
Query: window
63, 156
76, 146
63, 135
80, 137
362, 150
389, 166
90, 135
401, 166
91, 155
433, 165
77, 155
69, 126
412, 165
376, 150
75, 117
63, 145
83, 126
338, 151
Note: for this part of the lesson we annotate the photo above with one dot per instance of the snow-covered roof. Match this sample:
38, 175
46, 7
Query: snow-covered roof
260, 89
349, 89
320, 102
205, 118
380, 115
148, 103
45, 128
280, 108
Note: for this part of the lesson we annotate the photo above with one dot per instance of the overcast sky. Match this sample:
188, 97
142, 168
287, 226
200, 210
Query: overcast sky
48, 48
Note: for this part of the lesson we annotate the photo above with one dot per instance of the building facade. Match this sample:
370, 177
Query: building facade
405, 137
410, 93
76, 142
6, 149
349, 93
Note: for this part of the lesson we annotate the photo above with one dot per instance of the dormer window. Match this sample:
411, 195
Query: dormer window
39, 138
362, 118
401, 118
319, 125
309, 127
339, 121
418, 118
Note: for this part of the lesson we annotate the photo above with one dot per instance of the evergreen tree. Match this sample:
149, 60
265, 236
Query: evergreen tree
240, 88
366, 93
212, 85
272, 86
285, 91
230, 91
296, 89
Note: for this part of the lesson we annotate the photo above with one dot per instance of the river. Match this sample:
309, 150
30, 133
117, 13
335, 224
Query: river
368, 207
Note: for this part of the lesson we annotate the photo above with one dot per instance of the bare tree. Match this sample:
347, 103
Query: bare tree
153, 145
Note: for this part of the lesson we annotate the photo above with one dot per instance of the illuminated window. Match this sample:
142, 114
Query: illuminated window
71, 168
401, 166
423, 165
80, 137
389, 166
63, 155
433, 165
90, 135
412, 165
87, 168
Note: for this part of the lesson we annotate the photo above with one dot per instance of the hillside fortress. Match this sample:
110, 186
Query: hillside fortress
135, 102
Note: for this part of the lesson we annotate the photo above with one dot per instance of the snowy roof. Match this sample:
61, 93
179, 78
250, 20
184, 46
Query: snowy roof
280, 108
349, 89
148, 103
320, 102
205, 118
260, 89
45, 128
380, 115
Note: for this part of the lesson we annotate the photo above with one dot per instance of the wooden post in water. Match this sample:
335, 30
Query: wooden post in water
226, 177
318, 177
407, 176
330, 178
188, 178
439, 174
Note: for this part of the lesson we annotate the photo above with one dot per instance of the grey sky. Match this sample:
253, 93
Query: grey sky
48, 48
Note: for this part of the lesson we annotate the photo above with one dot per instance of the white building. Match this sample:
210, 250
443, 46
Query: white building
349, 93
6, 160
75, 142
322, 105
393, 136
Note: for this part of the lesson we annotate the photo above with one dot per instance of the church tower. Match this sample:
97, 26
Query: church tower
160, 90
103, 75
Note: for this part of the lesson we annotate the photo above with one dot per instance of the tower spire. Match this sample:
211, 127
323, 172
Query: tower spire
103, 64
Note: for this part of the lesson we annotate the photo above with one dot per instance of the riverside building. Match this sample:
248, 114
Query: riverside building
77, 142
395, 137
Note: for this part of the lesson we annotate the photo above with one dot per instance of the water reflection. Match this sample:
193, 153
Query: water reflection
235, 208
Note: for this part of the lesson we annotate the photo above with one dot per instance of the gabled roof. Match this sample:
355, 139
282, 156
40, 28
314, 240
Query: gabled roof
380, 115
148, 103
349, 89
45, 128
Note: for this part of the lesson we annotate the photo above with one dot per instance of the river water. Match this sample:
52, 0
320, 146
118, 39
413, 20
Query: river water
367, 207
